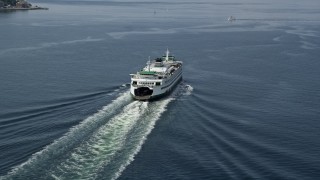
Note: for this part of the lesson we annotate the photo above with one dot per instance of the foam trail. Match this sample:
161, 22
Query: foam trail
120, 35
183, 89
188, 90
101, 147
48, 45
144, 128
277, 19
46, 158
91, 156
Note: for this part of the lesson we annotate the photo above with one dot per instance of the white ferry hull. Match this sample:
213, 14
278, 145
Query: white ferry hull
157, 79
158, 91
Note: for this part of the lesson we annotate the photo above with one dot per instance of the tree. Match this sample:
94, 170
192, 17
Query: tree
9, 2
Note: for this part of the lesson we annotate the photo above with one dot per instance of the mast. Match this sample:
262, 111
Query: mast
167, 55
148, 64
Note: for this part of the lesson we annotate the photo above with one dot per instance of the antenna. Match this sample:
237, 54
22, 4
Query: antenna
167, 55
148, 64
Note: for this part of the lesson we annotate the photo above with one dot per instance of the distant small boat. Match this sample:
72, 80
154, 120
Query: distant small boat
231, 18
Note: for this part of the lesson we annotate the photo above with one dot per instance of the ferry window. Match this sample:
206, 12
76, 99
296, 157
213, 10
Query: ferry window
157, 83
134, 82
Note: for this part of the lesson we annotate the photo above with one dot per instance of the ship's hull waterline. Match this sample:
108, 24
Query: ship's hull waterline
158, 95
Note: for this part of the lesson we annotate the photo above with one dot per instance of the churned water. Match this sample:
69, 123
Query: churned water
247, 108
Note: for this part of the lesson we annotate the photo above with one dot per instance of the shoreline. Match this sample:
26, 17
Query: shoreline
19, 9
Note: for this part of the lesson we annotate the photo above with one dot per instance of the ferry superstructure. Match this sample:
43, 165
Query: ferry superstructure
157, 79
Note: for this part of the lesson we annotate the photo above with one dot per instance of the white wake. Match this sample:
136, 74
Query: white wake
102, 146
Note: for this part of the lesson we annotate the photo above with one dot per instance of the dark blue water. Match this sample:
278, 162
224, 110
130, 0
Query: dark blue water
247, 108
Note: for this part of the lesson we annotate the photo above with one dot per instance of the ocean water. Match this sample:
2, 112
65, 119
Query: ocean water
247, 108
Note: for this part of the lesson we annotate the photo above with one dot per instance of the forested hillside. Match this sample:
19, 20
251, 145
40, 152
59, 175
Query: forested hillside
9, 2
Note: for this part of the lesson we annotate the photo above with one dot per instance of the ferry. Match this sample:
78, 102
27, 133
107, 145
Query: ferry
231, 18
157, 79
